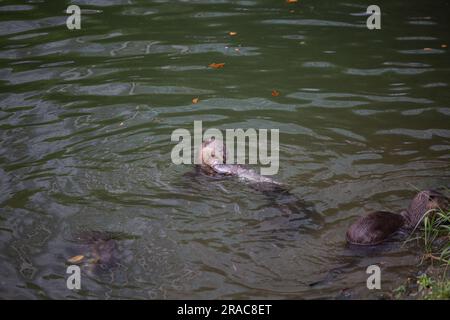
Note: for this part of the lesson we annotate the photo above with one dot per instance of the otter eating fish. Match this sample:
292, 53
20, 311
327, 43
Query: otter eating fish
212, 157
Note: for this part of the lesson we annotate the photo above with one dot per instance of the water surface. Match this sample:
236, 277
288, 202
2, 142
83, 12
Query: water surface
86, 117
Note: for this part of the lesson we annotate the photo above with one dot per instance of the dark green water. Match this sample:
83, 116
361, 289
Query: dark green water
85, 123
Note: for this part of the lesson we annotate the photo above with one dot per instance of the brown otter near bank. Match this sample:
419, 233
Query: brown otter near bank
378, 226
212, 157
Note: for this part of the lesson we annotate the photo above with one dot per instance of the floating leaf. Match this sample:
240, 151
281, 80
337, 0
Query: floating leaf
232, 33
76, 259
427, 49
275, 93
216, 65
443, 46
291, 1
195, 100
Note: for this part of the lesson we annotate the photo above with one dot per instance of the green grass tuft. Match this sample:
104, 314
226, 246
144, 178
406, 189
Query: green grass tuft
431, 289
435, 239
436, 236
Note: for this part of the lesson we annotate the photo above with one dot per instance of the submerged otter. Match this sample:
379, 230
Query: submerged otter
213, 160
379, 226
98, 251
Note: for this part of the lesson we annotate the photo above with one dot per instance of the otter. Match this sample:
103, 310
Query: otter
378, 226
212, 157
99, 251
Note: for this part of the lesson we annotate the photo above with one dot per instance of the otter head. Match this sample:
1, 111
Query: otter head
425, 202
212, 152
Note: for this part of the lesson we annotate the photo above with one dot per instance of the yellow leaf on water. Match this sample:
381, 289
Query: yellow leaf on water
76, 259
232, 33
291, 1
195, 100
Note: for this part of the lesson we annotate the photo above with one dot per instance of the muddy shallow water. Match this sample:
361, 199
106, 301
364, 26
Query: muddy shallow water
86, 117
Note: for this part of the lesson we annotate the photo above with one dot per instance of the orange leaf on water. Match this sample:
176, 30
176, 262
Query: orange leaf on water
232, 33
216, 65
275, 93
195, 100
76, 259
291, 1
